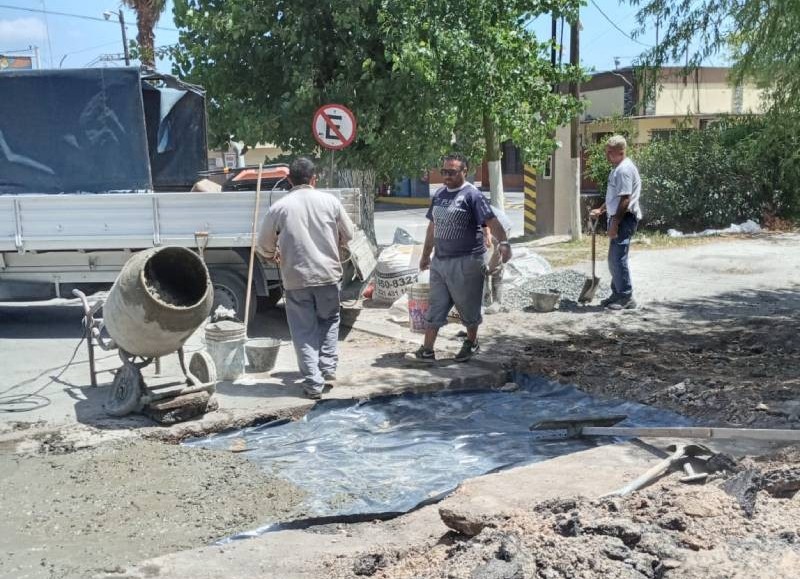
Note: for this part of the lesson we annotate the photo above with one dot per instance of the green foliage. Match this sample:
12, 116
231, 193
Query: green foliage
597, 167
730, 172
414, 72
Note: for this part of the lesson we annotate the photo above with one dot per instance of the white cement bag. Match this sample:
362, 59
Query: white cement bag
397, 270
524, 264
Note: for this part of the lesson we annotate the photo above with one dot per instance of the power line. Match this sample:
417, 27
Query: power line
614, 24
69, 15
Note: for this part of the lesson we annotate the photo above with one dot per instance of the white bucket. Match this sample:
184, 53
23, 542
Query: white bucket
418, 304
225, 342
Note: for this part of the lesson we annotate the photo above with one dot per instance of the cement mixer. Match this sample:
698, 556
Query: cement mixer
161, 296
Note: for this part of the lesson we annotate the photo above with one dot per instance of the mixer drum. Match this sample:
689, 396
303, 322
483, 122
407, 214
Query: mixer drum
159, 299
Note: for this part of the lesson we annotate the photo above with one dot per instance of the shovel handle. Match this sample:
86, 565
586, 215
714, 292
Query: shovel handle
593, 227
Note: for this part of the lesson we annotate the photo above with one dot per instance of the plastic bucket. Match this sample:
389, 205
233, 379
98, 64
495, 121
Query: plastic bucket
225, 342
262, 353
418, 304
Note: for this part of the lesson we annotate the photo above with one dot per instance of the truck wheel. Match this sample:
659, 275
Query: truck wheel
229, 292
271, 299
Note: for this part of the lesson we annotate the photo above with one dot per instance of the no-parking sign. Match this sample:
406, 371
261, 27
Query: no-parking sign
334, 126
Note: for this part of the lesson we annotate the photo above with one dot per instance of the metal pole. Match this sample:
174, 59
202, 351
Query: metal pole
574, 89
330, 181
124, 38
36, 57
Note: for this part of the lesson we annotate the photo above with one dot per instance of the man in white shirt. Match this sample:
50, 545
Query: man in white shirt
303, 232
624, 212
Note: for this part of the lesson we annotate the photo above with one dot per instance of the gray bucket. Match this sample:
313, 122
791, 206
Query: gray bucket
225, 342
262, 353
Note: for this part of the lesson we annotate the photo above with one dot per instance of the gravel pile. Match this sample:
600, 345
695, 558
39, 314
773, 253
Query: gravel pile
567, 282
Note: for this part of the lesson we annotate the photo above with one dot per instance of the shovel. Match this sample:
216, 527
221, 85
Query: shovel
680, 453
590, 285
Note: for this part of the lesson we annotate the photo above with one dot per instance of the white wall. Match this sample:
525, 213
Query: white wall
605, 102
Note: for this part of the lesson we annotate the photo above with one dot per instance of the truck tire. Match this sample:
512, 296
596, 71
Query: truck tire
230, 292
271, 299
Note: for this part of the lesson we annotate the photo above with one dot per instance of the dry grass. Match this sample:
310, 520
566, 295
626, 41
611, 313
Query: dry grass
574, 252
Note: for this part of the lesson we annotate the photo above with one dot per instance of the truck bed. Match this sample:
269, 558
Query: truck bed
131, 221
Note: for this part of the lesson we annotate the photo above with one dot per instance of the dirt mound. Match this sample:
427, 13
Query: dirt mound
670, 530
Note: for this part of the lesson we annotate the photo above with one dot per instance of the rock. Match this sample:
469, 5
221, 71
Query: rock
497, 569
782, 482
570, 527
744, 488
463, 521
369, 564
629, 532
669, 564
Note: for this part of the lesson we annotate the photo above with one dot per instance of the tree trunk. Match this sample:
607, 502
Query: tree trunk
145, 22
366, 181
493, 155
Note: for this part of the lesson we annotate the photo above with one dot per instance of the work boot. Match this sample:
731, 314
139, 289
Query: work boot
421, 355
329, 375
467, 350
609, 300
623, 304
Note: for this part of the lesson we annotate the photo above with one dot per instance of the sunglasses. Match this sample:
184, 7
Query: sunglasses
450, 172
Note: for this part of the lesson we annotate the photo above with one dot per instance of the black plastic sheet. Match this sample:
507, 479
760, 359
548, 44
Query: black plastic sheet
388, 455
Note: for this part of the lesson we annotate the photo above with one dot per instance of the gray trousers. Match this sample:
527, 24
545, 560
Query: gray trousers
313, 316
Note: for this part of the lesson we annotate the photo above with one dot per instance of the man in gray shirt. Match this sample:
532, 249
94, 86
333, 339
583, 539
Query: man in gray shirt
624, 213
303, 232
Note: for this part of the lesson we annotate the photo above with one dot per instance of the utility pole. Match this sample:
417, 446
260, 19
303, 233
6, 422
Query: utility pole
124, 38
36, 59
574, 90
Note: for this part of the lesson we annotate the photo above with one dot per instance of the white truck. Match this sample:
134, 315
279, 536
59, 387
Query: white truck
105, 169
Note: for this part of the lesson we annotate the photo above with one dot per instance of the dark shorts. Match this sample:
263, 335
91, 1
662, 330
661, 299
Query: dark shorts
456, 281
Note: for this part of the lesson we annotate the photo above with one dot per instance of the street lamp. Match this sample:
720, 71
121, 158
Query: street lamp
107, 15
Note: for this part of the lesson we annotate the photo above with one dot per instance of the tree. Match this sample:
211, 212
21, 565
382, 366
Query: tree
411, 80
490, 68
147, 14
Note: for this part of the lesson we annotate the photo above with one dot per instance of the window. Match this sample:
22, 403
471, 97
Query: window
547, 173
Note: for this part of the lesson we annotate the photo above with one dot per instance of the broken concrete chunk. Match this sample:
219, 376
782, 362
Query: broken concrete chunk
464, 521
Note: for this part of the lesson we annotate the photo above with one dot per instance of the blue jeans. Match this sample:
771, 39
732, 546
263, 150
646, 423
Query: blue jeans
313, 316
618, 257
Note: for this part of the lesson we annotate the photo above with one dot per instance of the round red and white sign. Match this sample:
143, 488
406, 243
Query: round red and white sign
334, 126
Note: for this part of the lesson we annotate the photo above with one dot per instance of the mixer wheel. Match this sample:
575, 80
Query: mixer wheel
125, 394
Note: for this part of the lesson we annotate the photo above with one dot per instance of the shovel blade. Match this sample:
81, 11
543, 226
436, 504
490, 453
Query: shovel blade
589, 289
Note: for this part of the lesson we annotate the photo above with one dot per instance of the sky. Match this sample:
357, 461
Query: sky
72, 42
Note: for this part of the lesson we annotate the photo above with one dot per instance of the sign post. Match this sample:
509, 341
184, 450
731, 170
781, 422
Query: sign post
334, 128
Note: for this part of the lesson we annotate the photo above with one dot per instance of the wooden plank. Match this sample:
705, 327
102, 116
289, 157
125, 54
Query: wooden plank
769, 434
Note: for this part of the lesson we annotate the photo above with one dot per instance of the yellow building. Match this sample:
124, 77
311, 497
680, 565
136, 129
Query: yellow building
678, 101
